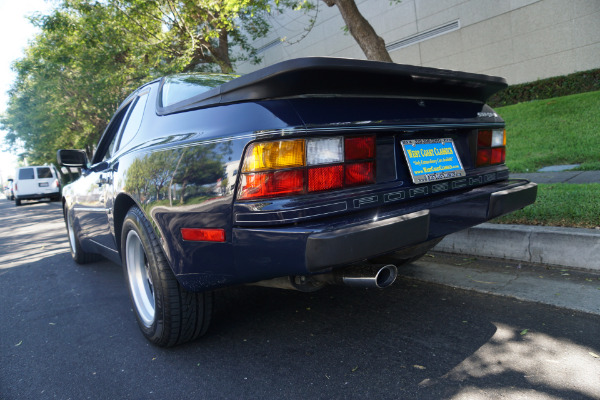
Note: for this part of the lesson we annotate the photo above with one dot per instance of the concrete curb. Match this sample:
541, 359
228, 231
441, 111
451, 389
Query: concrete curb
567, 247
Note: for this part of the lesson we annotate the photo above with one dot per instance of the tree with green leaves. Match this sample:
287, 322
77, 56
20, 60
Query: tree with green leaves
197, 35
70, 80
90, 54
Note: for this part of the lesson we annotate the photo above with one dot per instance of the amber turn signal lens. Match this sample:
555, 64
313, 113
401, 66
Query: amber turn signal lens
274, 155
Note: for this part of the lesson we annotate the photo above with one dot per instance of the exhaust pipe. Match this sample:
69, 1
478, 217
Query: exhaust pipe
368, 276
375, 276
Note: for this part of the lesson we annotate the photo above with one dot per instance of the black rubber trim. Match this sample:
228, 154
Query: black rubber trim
506, 201
347, 245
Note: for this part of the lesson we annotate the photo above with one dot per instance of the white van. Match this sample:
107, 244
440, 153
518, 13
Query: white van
36, 182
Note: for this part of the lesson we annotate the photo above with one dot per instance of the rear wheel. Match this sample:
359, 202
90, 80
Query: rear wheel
79, 255
17, 202
167, 314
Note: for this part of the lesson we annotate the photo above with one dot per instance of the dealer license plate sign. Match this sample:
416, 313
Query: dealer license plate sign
431, 160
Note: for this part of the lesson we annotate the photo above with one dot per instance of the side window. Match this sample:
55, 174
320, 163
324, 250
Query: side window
132, 125
26, 173
118, 123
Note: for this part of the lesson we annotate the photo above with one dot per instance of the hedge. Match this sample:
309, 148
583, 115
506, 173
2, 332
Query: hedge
579, 82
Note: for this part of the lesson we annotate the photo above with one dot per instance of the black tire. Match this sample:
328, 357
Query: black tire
167, 314
79, 255
17, 202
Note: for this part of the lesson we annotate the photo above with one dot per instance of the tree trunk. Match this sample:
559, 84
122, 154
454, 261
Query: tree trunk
371, 44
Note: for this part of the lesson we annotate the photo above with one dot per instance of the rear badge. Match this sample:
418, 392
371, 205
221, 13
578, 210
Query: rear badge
431, 160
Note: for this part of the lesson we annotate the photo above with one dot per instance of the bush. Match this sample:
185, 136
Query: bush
579, 82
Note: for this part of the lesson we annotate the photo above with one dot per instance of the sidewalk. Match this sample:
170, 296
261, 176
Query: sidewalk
566, 247
560, 287
560, 177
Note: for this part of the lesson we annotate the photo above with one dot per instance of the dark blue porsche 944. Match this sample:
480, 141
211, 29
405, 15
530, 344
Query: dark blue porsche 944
309, 172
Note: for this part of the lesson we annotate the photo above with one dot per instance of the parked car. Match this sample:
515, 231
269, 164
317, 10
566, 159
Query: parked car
309, 172
35, 183
8, 190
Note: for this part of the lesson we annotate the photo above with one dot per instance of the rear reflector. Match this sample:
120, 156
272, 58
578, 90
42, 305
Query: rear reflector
203, 234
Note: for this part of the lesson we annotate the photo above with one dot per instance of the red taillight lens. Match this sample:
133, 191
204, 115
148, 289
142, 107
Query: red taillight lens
498, 155
491, 147
359, 148
296, 166
325, 178
484, 139
203, 235
359, 174
272, 184
484, 156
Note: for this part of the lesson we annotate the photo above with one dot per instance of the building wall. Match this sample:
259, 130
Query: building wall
521, 40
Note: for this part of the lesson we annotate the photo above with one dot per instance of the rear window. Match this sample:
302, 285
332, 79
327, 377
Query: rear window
178, 88
44, 172
26, 173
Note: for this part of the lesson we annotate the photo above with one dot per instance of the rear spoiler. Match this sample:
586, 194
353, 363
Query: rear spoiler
321, 76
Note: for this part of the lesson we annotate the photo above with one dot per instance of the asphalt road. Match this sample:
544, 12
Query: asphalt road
68, 332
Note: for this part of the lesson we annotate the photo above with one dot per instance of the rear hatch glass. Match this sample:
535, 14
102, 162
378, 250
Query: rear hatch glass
26, 173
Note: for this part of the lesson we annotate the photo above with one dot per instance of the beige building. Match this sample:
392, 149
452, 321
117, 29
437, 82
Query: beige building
521, 40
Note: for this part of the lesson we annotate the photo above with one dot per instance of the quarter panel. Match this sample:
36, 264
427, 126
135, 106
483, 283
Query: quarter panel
181, 170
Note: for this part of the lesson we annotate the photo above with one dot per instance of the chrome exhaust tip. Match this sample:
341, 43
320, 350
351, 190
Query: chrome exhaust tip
375, 276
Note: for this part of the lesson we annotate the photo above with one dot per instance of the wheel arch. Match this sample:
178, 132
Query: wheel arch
123, 203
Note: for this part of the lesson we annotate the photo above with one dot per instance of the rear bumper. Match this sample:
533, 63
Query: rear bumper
344, 246
37, 196
301, 249
315, 248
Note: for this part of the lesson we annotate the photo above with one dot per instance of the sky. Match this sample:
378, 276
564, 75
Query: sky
15, 31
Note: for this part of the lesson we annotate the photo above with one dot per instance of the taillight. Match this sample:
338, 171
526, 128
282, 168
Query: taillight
491, 147
291, 167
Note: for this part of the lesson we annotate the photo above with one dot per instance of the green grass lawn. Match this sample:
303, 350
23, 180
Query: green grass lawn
562, 130
561, 204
